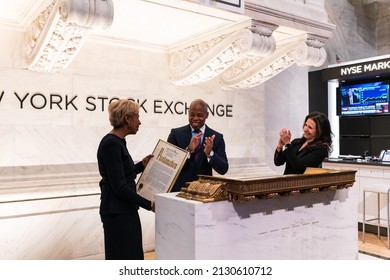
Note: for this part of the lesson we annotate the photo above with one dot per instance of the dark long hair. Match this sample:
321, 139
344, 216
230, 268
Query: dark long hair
323, 130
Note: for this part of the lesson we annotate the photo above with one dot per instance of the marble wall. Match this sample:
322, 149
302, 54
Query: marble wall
361, 29
51, 125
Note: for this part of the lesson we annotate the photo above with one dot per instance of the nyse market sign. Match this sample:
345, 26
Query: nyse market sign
64, 102
365, 68
357, 69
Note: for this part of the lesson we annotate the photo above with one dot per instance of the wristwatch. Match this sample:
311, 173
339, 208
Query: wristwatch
211, 154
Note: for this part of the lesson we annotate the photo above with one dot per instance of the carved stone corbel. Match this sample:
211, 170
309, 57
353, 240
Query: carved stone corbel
310, 53
56, 35
202, 62
245, 73
252, 71
264, 44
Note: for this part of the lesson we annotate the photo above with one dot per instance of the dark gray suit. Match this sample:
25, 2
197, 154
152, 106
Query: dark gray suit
192, 168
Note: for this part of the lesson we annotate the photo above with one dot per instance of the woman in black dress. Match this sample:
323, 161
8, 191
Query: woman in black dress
119, 200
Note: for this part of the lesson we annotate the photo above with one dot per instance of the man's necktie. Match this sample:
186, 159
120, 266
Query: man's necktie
199, 147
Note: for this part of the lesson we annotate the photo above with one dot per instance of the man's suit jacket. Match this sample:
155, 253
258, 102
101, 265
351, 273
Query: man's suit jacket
193, 167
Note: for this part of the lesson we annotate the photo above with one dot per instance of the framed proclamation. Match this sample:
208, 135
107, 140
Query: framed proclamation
162, 170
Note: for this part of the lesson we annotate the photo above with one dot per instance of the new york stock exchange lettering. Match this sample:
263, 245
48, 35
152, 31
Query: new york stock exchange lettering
65, 102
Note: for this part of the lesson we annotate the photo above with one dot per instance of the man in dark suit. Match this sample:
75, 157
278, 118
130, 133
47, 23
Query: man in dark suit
206, 146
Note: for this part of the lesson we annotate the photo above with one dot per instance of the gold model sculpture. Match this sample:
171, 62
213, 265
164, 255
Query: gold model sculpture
211, 188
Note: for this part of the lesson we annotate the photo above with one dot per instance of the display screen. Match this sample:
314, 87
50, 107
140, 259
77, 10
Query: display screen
363, 99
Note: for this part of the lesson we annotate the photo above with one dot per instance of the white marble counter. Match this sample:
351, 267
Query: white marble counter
309, 226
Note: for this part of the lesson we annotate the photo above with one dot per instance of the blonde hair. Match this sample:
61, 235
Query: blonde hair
119, 109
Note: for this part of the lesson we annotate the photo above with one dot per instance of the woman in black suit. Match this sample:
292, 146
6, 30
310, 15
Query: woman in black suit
119, 200
308, 151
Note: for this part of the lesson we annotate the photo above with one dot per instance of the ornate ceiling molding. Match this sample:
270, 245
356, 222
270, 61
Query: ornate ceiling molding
57, 34
277, 40
251, 71
290, 13
244, 59
204, 61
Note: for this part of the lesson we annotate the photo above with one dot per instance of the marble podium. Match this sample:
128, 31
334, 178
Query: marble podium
312, 225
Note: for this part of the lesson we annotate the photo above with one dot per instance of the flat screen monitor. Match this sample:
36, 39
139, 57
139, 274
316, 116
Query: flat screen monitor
371, 98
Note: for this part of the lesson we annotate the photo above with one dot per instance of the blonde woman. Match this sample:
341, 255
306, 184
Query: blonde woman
119, 199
